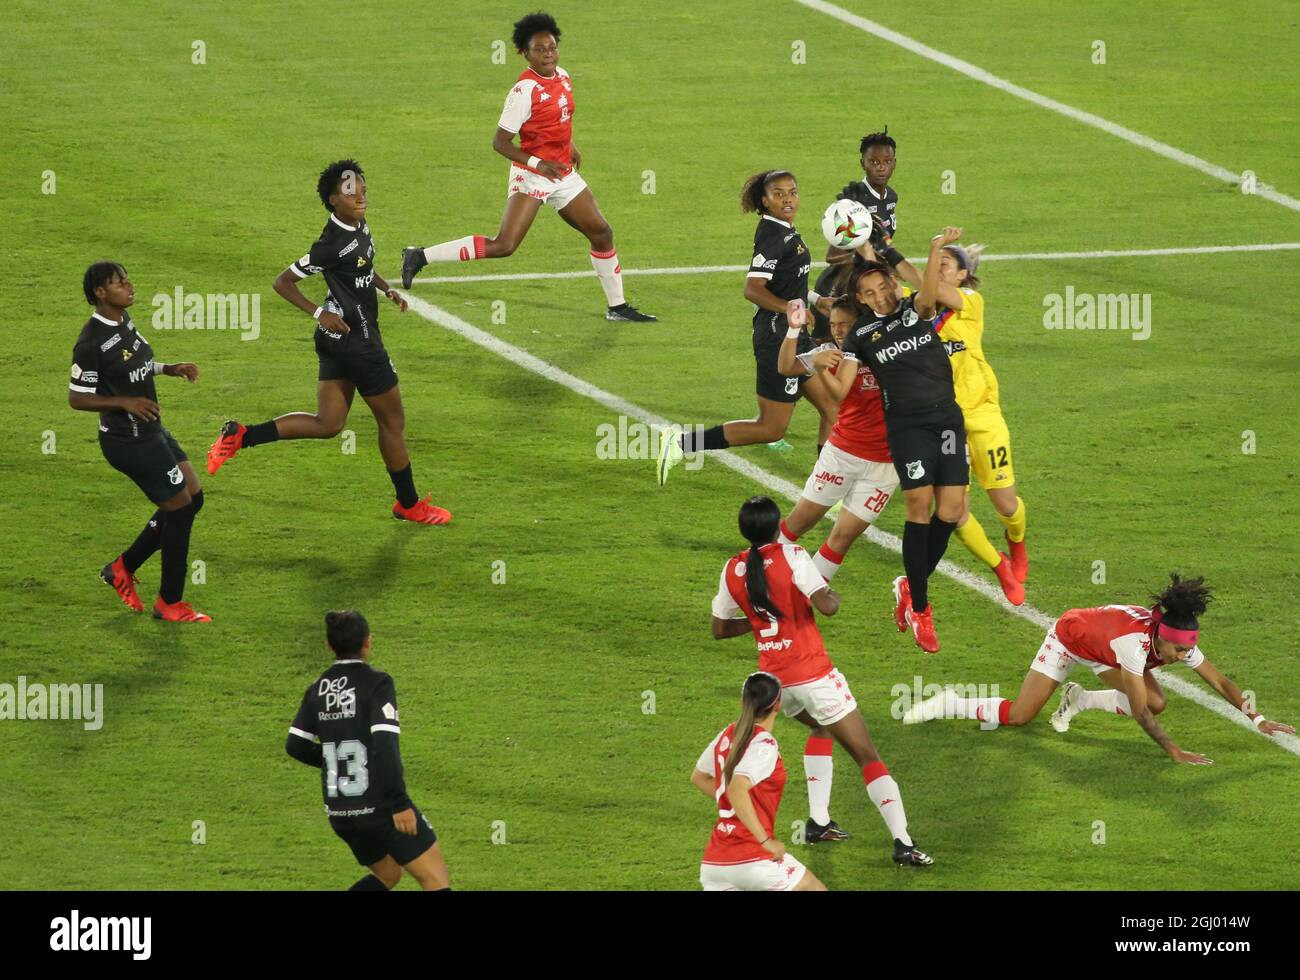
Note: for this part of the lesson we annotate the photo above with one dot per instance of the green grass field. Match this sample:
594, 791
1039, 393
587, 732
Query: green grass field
523, 700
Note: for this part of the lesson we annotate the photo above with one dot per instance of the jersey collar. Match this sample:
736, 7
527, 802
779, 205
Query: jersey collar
544, 78
341, 224
783, 224
353, 660
867, 184
111, 323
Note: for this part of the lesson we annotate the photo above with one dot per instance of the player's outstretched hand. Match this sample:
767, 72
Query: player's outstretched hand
796, 313
1190, 758
396, 297
144, 408
334, 323
1273, 727
404, 821
775, 848
946, 237
184, 369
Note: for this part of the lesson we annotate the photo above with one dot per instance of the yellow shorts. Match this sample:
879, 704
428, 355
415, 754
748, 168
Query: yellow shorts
990, 448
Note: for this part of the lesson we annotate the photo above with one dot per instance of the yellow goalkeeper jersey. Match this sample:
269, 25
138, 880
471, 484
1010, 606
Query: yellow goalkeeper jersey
962, 333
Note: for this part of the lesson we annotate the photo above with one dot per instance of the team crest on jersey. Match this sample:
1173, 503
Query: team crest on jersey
915, 470
792, 386
361, 260
909, 317
176, 476
126, 355
874, 336
799, 249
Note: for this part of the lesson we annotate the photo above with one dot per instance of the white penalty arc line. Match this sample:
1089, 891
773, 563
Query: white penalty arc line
1265, 191
776, 484
690, 270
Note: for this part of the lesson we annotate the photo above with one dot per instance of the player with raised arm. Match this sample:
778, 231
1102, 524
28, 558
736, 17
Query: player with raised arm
777, 285
348, 728
855, 467
349, 346
742, 769
543, 168
776, 587
927, 437
113, 370
1121, 645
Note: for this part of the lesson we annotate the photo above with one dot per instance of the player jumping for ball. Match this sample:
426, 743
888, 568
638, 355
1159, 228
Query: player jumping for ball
544, 168
1121, 645
348, 345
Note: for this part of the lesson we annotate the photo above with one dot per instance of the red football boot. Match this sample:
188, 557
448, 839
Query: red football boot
123, 583
902, 602
178, 612
229, 441
1011, 587
422, 512
1019, 560
922, 624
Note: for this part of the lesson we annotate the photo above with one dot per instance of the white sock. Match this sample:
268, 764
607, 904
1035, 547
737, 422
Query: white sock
461, 250
1116, 702
827, 561
819, 767
884, 793
610, 274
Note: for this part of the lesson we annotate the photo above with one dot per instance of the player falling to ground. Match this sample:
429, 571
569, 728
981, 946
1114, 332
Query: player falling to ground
113, 368
348, 345
927, 436
854, 467
961, 328
348, 728
777, 285
544, 168
742, 769
776, 587
1122, 645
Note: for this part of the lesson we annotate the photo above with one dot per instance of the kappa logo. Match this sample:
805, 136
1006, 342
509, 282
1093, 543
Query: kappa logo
349, 247
544, 97
915, 470
110, 342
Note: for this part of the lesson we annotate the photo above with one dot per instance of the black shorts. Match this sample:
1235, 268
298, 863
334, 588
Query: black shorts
771, 383
152, 461
373, 840
929, 448
373, 373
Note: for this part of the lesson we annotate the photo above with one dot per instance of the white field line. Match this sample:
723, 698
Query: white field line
1078, 115
688, 270
776, 484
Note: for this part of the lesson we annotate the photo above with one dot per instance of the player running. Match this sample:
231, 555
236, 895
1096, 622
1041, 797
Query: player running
855, 467
544, 167
348, 727
777, 285
742, 769
348, 345
1121, 645
113, 368
927, 437
776, 586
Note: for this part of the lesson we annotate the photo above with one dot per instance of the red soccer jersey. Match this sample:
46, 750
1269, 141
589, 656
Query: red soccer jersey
731, 842
540, 110
860, 427
1117, 636
790, 648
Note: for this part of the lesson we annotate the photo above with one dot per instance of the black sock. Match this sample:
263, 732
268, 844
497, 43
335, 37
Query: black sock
916, 539
940, 532
256, 435
404, 484
693, 440
369, 884
145, 544
176, 552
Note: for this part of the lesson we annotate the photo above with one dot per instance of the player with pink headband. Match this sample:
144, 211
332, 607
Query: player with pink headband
1122, 645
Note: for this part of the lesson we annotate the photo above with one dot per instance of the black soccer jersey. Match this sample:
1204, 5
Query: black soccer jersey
907, 356
348, 724
884, 206
782, 258
345, 256
114, 359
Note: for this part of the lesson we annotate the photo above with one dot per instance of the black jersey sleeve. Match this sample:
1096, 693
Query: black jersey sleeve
385, 754
85, 365
321, 256
854, 191
768, 250
304, 740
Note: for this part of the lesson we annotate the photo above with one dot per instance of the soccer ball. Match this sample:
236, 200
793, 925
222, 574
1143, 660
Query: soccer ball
847, 225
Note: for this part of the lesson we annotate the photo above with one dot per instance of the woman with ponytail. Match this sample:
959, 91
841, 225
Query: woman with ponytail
777, 285
742, 769
776, 586
1121, 645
